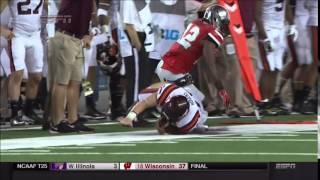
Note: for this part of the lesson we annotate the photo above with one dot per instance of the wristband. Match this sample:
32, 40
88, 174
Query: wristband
132, 115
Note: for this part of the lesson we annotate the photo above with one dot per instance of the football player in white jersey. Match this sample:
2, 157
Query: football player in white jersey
181, 113
25, 51
271, 19
6, 35
303, 67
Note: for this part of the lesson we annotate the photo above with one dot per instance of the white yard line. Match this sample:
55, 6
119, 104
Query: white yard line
274, 135
116, 145
149, 135
167, 153
25, 151
74, 147
249, 140
156, 142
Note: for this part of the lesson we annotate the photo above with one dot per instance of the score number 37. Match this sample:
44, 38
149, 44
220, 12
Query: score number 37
190, 35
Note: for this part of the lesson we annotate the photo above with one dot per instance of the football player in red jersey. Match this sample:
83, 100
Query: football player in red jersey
201, 38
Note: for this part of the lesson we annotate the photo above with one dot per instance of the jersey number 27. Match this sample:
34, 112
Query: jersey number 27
189, 35
28, 10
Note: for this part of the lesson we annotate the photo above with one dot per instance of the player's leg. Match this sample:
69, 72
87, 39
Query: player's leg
303, 49
16, 51
165, 75
4, 72
269, 71
34, 62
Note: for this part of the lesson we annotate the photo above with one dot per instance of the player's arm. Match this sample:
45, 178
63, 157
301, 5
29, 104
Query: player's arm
292, 30
208, 53
6, 33
262, 35
137, 109
258, 19
128, 14
209, 50
133, 35
289, 13
94, 17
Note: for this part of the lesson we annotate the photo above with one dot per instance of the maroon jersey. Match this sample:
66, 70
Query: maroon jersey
78, 14
184, 53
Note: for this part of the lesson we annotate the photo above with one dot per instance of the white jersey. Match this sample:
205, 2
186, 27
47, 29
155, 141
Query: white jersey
301, 9
273, 13
196, 115
26, 15
312, 6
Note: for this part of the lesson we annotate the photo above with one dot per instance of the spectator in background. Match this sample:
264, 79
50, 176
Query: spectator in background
65, 62
101, 35
137, 18
168, 18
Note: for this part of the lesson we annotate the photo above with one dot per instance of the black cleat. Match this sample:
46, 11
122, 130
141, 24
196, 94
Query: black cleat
63, 127
79, 126
32, 116
233, 114
94, 114
17, 121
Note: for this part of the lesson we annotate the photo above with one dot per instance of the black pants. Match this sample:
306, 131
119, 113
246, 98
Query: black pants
140, 76
116, 93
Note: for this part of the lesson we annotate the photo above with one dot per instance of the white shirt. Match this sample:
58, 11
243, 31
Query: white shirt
129, 14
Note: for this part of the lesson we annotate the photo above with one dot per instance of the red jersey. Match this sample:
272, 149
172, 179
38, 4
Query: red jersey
184, 53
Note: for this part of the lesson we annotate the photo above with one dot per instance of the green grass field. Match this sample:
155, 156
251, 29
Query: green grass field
278, 139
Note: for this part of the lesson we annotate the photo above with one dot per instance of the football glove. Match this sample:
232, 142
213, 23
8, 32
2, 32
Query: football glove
292, 32
266, 44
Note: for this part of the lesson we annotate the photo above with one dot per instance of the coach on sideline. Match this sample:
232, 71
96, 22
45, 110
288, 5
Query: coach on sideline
65, 62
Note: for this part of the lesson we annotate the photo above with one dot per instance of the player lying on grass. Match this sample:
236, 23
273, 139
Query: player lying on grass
181, 113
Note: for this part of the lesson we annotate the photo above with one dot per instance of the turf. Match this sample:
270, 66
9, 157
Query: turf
118, 128
288, 147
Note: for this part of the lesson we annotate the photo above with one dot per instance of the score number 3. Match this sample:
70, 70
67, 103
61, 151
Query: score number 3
189, 36
28, 11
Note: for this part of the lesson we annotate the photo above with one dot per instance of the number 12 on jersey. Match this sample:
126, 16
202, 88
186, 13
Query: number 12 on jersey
189, 35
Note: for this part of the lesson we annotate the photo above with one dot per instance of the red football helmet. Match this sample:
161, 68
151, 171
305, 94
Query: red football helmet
175, 108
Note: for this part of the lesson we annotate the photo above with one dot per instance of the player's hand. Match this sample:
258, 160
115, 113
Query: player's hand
225, 97
293, 32
86, 41
6, 33
266, 44
126, 122
137, 45
161, 125
95, 31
